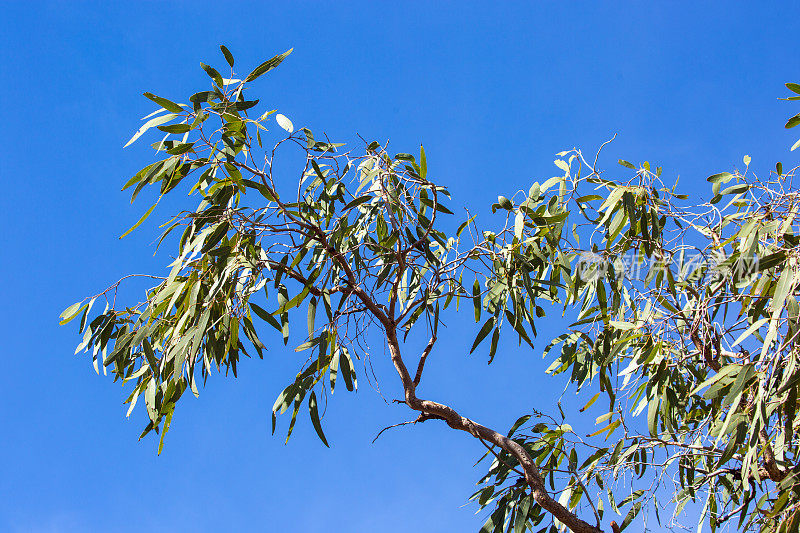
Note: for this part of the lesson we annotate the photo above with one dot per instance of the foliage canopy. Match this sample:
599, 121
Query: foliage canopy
684, 313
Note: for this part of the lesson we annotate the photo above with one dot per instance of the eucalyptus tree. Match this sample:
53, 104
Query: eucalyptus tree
684, 311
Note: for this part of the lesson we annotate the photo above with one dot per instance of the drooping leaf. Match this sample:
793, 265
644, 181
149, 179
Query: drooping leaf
312, 407
142, 219
485, 329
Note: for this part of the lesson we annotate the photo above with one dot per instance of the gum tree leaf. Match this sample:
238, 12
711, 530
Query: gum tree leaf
150, 124
312, 408
268, 65
227, 54
142, 219
169, 105
284, 122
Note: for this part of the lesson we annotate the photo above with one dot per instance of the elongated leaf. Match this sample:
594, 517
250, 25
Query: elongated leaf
757, 324
312, 311
227, 54
265, 316
785, 284
423, 163
213, 74
487, 327
138, 222
735, 189
357, 201
175, 128
165, 428
150, 124
268, 65
631, 515
346, 365
476, 299
312, 408
169, 105
519, 224
722, 177
71, 312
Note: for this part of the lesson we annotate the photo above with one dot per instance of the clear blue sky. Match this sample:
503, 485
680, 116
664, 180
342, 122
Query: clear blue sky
492, 89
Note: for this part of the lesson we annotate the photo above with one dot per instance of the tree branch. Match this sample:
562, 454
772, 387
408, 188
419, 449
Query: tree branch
421, 364
453, 419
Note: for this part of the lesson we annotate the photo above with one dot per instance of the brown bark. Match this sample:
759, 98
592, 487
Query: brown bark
456, 421
453, 419
770, 468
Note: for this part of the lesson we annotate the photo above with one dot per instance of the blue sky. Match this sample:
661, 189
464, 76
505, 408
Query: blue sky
493, 91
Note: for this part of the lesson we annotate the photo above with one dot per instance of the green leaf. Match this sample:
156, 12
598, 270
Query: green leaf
227, 54
144, 217
423, 163
626, 164
463, 225
346, 365
169, 105
357, 201
757, 324
610, 428
439, 205
476, 299
723, 372
631, 515
312, 311
175, 128
588, 198
635, 495
792, 122
487, 327
493, 347
180, 148
505, 203
794, 87
522, 515
213, 74
735, 189
265, 316
785, 284
312, 408
519, 224
590, 402
309, 344
70, 312
771, 260
165, 428
215, 236
268, 65
722, 177
150, 124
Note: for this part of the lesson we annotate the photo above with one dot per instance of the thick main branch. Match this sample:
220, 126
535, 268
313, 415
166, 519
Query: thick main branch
456, 421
